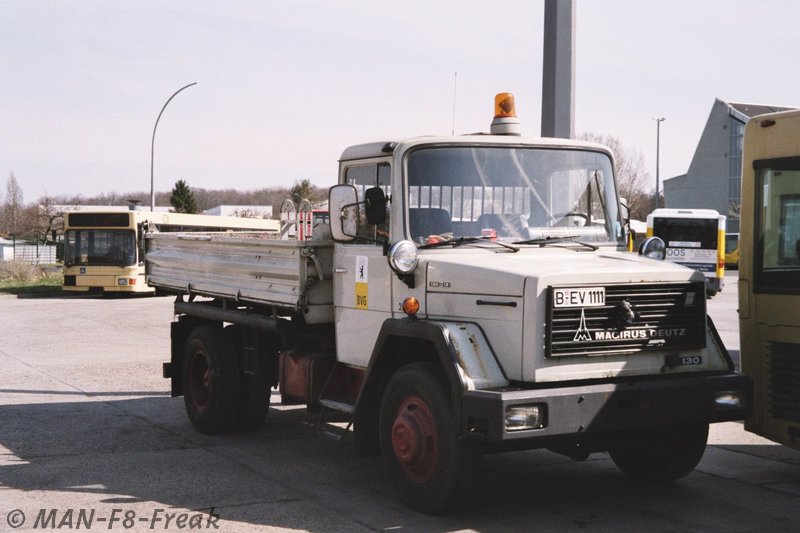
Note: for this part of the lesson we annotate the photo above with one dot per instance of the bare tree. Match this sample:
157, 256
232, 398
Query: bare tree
12, 206
632, 177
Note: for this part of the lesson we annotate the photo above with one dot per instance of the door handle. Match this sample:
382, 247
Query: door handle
339, 270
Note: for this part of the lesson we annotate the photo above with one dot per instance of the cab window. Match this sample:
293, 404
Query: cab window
364, 177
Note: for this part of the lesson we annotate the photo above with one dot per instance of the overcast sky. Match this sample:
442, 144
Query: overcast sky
284, 86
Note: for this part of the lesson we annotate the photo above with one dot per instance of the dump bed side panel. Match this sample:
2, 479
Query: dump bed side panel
292, 275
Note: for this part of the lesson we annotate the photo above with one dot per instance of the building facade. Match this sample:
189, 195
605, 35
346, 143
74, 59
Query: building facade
714, 178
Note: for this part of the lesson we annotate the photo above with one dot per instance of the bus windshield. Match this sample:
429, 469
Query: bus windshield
510, 194
687, 232
100, 247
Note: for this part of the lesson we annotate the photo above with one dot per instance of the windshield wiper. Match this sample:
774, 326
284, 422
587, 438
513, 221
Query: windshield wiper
467, 240
553, 240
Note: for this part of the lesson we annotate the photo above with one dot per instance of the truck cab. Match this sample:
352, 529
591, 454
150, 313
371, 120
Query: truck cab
510, 253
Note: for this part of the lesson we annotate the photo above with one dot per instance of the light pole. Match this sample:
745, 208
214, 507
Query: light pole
658, 120
153, 145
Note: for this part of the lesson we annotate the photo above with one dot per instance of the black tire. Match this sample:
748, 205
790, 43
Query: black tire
430, 468
661, 455
254, 390
210, 380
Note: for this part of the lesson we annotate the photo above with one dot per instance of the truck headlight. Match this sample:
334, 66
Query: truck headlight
403, 257
521, 417
729, 400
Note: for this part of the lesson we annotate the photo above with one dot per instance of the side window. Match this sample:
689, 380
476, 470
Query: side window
364, 177
777, 258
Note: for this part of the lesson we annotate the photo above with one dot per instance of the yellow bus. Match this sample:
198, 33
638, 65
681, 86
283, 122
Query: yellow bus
769, 274
104, 249
695, 238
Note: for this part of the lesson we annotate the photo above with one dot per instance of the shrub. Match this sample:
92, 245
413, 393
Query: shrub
16, 270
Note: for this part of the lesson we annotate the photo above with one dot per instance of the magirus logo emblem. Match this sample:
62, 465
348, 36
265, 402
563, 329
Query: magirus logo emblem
583, 334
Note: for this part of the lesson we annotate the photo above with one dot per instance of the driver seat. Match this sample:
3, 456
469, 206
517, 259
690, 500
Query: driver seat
429, 221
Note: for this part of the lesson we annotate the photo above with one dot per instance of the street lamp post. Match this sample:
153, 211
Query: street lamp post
658, 120
153, 145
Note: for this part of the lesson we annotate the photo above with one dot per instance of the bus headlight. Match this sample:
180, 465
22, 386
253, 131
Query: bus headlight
521, 417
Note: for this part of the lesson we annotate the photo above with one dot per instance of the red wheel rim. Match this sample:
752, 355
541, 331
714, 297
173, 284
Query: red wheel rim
415, 439
200, 377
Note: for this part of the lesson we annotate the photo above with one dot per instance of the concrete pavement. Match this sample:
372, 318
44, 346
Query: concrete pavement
86, 423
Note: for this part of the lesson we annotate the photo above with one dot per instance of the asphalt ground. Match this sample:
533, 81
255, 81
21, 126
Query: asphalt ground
89, 438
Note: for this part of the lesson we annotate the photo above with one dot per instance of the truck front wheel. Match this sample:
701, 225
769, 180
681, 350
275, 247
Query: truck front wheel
210, 380
429, 466
663, 454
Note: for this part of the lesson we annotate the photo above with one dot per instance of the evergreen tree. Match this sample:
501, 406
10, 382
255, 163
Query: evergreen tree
182, 199
301, 190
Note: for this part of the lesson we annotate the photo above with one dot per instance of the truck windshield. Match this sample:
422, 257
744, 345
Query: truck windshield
100, 247
510, 194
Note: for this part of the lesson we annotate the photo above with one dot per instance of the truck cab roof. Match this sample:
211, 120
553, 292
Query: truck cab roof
384, 148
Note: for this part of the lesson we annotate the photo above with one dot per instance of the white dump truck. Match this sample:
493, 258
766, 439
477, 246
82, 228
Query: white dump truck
472, 293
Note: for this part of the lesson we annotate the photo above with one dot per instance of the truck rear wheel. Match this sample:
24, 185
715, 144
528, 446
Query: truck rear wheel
430, 468
661, 455
210, 380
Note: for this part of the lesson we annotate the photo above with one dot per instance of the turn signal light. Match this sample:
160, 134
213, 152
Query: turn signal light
411, 306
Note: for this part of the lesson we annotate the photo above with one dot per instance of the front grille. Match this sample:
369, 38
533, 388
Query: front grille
664, 317
783, 375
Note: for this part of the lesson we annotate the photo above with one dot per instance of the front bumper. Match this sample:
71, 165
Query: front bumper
604, 408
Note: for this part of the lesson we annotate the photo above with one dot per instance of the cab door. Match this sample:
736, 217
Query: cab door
362, 281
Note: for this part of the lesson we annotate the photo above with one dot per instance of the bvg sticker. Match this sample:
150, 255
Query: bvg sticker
362, 282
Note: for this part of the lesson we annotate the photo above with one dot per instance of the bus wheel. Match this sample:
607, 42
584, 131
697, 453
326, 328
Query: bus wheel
430, 468
255, 376
661, 455
210, 379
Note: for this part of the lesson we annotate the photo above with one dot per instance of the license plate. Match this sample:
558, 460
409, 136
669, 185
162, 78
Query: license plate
579, 297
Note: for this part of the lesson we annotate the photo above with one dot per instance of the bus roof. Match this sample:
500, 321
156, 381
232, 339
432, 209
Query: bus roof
184, 219
685, 213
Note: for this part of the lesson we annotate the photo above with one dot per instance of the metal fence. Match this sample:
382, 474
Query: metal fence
31, 253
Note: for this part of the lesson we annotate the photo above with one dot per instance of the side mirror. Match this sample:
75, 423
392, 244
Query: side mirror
654, 248
343, 206
375, 205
